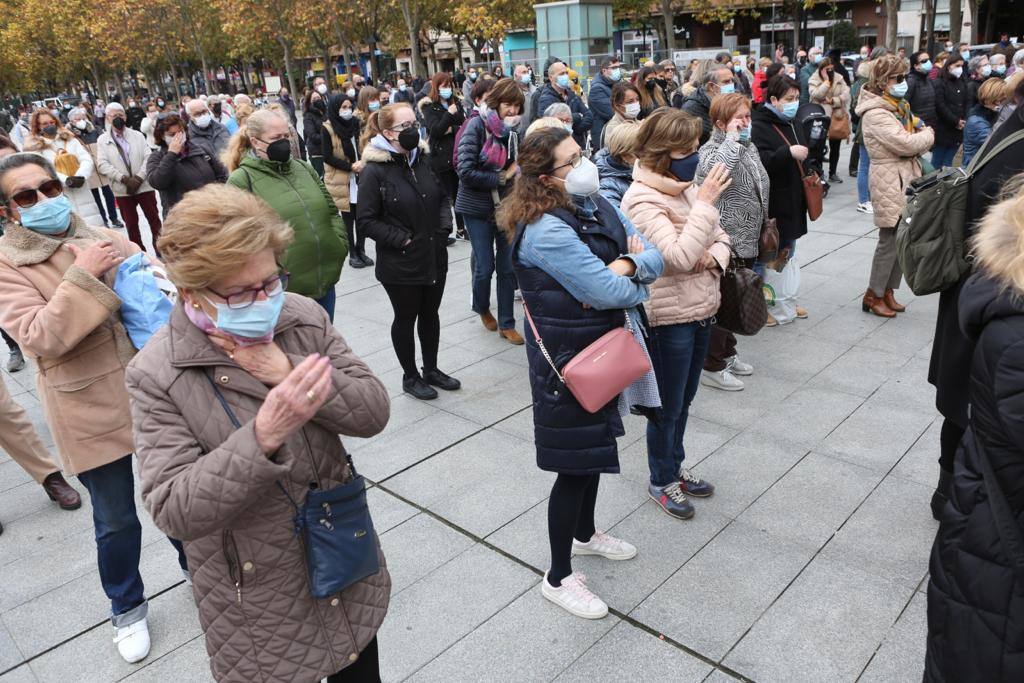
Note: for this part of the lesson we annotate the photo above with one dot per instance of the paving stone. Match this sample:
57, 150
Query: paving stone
627, 653
848, 324
921, 462
810, 414
875, 438
406, 446
405, 410
10, 654
417, 546
734, 579
812, 500
744, 408
530, 640
904, 334
23, 674
889, 535
860, 371
824, 627
187, 664
901, 656
387, 510
805, 357
426, 619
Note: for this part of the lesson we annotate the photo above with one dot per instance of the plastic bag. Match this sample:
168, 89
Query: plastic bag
780, 290
147, 297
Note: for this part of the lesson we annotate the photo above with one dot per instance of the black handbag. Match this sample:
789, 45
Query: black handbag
742, 309
336, 529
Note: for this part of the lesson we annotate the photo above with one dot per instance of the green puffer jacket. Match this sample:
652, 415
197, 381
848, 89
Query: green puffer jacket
318, 251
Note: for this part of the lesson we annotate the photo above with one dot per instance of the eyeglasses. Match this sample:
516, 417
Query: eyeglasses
28, 198
403, 126
575, 162
271, 287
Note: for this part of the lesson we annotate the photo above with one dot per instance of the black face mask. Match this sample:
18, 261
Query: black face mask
651, 85
119, 123
319, 105
660, 81
409, 138
217, 108
280, 150
50, 130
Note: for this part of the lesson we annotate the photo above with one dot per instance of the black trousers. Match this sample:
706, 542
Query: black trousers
949, 440
833, 156
570, 515
854, 158
450, 182
366, 669
416, 306
356, 242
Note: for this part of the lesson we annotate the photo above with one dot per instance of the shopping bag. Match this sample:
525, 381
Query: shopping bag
780, 290
147, 297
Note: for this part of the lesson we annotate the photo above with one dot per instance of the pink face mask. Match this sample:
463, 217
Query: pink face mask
203, 321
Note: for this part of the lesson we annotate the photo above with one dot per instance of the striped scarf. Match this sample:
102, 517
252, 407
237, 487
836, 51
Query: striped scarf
902, 112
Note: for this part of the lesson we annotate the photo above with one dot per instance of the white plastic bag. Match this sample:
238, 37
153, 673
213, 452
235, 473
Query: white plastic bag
780, 290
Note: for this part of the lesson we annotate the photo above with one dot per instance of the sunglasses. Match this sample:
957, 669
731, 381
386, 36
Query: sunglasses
28, 198
899, 77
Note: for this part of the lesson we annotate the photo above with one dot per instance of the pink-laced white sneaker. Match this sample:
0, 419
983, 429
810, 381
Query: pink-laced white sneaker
605, 546
574, 597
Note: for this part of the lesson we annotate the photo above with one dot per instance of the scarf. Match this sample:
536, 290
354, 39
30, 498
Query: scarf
902, 112
500, 140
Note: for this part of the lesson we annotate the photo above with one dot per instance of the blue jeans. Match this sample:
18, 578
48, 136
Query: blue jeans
327, 302
118, 538
677, 354
863, 191
943, 156
485, 239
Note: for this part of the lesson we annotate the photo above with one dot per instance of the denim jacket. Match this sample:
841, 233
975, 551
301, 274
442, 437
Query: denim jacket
554, 247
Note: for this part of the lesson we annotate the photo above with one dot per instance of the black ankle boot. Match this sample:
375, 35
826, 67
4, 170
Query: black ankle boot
941, 495
438, 379
417, 388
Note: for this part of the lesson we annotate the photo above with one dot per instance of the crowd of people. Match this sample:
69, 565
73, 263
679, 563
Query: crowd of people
612, 214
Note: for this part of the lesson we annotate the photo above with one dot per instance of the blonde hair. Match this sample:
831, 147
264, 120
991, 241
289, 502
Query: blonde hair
993, 91
998, 245
621, 142
241, 142
544, 122
380, 120
217, 225
243, 111
884, 68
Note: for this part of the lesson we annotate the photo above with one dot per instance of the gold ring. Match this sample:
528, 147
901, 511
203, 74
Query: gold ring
311, 395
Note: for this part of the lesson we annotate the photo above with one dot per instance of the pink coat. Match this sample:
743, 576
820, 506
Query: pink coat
683, 228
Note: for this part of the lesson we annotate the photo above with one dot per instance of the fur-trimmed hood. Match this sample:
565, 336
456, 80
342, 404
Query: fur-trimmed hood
375, 153
998, 244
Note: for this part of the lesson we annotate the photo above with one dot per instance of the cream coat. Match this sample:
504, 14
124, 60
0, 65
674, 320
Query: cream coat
68, 322
683, 228
81, 197
829, 95
112, 165
894, 156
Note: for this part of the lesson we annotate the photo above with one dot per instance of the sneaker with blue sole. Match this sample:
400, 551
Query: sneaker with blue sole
671, 499
694, 485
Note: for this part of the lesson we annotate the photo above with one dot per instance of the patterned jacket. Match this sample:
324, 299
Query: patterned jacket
744, 204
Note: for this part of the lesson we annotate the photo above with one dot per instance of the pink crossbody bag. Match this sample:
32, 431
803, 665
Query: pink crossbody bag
604, 369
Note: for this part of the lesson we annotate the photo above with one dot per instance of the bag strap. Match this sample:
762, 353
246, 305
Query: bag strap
786, 140
983, 155
1006, 526
248, 182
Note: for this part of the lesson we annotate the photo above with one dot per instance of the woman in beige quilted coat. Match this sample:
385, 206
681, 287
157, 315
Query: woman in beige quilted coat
294, 385
895, 140
827, 88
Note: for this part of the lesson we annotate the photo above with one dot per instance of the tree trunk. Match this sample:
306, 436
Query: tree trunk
990, 20
478, 49
457, 39
956, 19
328, 66
929, 26
120, 86
411, 15
244, 71
286, 47
891, 22
668, 15
101, 90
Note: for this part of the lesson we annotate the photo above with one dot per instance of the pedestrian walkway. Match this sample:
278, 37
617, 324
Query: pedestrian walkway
808, 564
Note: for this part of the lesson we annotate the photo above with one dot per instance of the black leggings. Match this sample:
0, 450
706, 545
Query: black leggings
416, 306
570, 515
450, 180
833, 156
11, 344
356, 242
949, 440
366, 669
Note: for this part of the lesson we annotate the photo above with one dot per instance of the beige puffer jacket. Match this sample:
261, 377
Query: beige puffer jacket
211, 486
829, 95
683, 228
894, 155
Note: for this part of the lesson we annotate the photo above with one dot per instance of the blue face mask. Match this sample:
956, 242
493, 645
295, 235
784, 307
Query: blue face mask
925, 67
899, 90
48, 217
999, 69
526, 78
966, 55
446, 93
563, 81
737, 68
616, 74
686, 168
789, 110
373, 106
252, 322
727, 89
745, 132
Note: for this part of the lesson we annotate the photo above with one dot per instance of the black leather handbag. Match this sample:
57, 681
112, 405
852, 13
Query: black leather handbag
742, 309
336, 529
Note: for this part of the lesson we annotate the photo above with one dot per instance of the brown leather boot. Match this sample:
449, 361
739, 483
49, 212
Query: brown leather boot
876, 305
890, 301
511, 336
60, 492
488, 320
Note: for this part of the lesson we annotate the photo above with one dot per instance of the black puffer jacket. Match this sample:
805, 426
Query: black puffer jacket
975, 598
921, 97
950, 107
312, 129
406, 211
786, 201
699, 104
174, 175
441, 127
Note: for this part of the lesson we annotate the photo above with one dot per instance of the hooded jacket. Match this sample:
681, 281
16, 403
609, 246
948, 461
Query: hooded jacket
295, 192
894, 154
615, 177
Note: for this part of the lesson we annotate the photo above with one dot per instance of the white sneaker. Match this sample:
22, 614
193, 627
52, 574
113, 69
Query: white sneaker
606, 546
574, 597
866, 208
738, 367
518, 296
723, 380
133, 641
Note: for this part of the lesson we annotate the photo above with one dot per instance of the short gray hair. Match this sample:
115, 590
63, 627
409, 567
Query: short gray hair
76, 111
711, 77
724, 56
997, 58
558, 109
975, 64
13, 161
1018, 57
878, 51
112, 108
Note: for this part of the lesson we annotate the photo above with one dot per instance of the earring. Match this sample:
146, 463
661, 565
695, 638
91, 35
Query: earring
195, 305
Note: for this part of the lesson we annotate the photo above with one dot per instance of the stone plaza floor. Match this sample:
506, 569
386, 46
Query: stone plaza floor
808, 564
